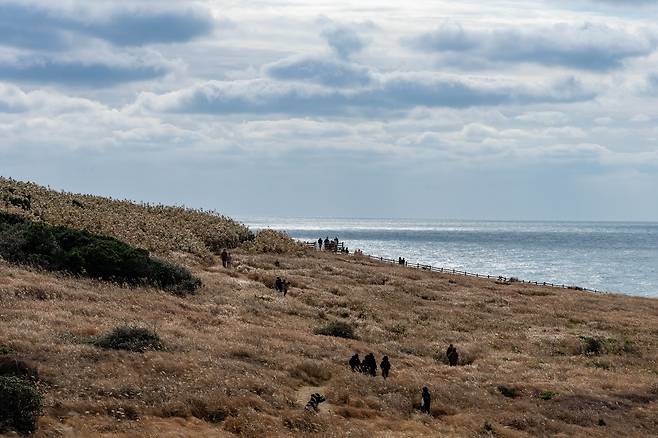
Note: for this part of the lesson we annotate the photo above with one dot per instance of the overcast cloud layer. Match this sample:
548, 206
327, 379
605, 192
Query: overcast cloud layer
474, 109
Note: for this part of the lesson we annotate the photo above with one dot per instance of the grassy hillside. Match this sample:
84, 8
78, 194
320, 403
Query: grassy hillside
239, 359
157, 228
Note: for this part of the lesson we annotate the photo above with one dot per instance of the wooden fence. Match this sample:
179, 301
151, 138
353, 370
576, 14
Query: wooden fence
471, 274
331, 247
341, 247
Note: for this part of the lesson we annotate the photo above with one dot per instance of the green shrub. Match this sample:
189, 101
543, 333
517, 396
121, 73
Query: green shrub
59, 248
20, 405
5, 350
131, 338
507, 391
547, 395
338, 329
11, 367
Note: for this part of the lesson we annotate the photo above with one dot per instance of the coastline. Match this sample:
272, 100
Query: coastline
610, 257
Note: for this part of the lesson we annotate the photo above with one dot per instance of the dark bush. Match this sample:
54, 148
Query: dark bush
338, 329
59, 248
11, 367
20, 405
592, 345
131, 338
507, 391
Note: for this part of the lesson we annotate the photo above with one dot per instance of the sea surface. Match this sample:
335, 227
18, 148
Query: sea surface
605, 256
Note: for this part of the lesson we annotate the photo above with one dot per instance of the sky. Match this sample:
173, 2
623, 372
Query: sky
510, 110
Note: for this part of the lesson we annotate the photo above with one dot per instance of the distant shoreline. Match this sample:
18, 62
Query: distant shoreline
615, 257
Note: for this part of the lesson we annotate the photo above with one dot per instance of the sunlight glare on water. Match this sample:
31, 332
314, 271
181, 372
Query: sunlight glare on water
608, 256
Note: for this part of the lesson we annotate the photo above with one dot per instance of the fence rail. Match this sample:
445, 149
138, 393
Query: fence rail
431, 268
331, 247
341, 246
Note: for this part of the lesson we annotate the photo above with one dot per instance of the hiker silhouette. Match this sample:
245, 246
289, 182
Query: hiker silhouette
453, 356
385, 365
426, 401
369, 365
278, 284
314, 403
224, 257
355, 362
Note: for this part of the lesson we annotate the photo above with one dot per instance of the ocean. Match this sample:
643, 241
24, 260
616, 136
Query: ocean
607, 256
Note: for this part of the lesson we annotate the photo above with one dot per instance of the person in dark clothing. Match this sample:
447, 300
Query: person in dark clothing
229, 260
355, 362
284, 287
426, 401
313, 404
385, 365
320, 243
224, 257
369, 365
453, 356
278, 284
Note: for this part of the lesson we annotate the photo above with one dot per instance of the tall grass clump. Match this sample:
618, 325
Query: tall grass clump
59, 248
271, 241
337, 329
20, 405
158, 228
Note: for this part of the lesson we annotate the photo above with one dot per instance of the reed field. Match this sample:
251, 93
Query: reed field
236, 358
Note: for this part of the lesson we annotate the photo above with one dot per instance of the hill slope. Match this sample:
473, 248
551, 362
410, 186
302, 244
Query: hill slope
157, 228
240, 359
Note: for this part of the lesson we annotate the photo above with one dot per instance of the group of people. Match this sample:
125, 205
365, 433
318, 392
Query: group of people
402, 261
281, 285
227, 259
327, 244
369, 365
331, 245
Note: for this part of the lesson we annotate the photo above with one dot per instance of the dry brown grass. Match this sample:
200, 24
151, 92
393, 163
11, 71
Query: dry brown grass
157, 228
239, 355
235, 362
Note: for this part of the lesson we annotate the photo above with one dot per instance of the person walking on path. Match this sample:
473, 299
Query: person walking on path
385, 365
320, 244
453, 356
369, 365
426, 401
278, 284
224, 257
355, 362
